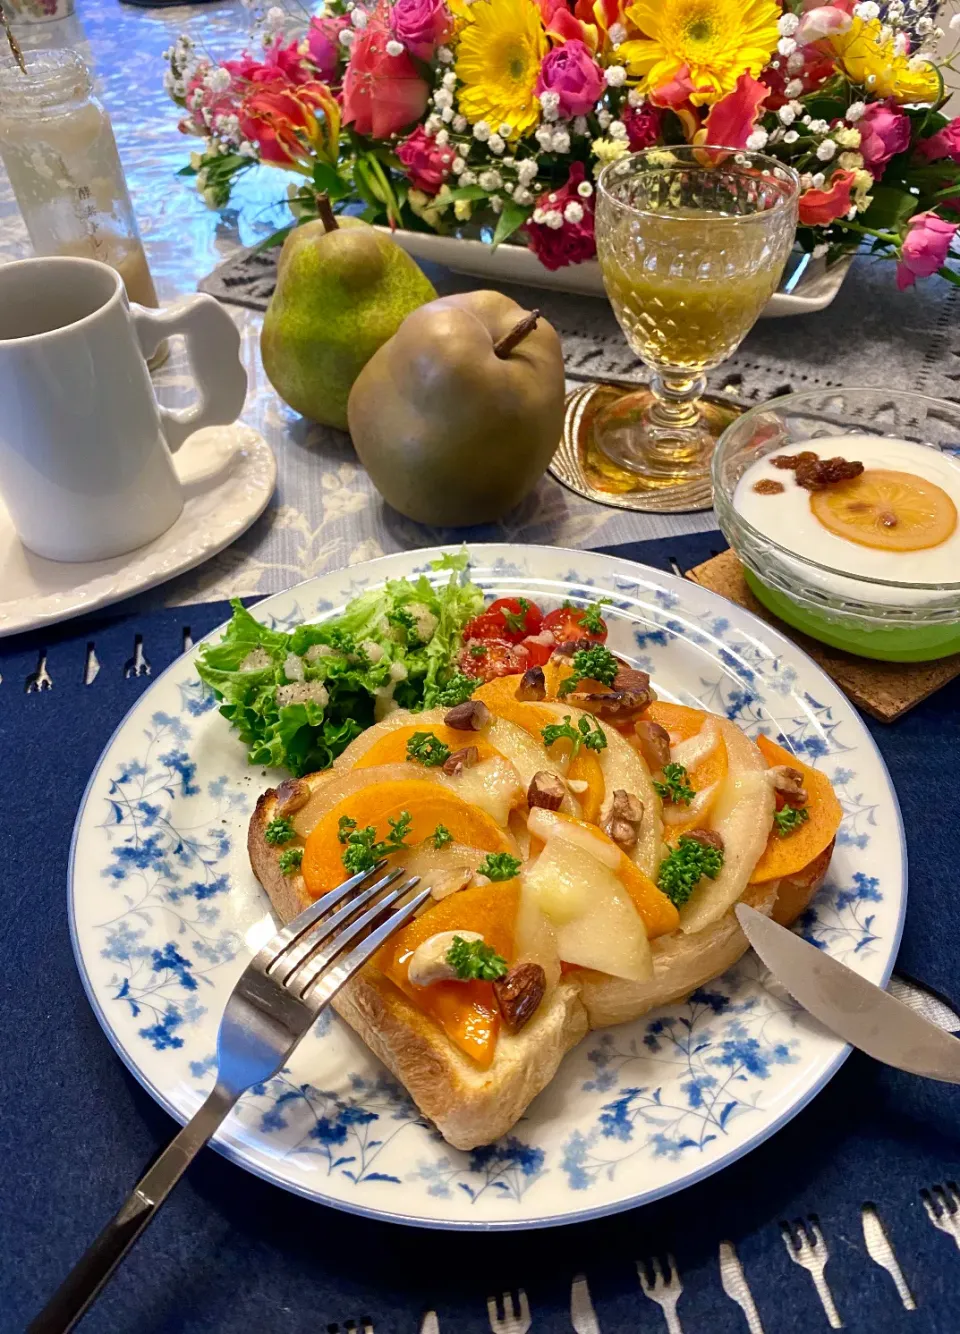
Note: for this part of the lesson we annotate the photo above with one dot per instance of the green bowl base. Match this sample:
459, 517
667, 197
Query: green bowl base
925, 643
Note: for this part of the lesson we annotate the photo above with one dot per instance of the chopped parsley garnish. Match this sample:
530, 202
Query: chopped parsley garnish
675, 787
499, 866
362, 850
473, 960
596, 663
290, 859
517, 620
279, 831
587, 732
591, 620
441, 836
427, 749
478, 650
681, 871
789, 819
457, 689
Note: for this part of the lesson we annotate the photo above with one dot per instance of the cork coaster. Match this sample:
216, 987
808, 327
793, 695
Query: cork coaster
885, 690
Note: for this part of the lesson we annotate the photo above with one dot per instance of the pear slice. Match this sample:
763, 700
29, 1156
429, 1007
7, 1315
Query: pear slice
594, 919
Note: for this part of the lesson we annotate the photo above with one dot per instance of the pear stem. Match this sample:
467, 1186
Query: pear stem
517, 334
327, 215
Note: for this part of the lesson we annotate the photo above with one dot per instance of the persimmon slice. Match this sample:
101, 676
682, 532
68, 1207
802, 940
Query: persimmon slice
391, 748
788, 856
428, 804
682, 722
891, 511
466, 1011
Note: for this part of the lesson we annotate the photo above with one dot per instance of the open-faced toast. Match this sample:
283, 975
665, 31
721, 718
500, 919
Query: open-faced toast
474, 1101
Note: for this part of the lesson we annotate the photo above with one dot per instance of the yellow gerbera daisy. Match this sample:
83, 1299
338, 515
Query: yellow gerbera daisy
867, 59
498, 60
717, 40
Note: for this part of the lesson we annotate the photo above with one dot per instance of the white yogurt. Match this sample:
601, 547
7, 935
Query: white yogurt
786, 518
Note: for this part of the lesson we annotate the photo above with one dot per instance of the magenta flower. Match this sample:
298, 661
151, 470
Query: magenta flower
422, 25
571, 72
925, 248
884, 132
428, 165
561, 229
643, 124
323, 42
945, 143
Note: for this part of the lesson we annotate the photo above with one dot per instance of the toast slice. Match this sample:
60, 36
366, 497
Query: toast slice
469, 1106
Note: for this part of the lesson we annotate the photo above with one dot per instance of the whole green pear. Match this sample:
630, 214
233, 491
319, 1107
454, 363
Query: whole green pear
343, 288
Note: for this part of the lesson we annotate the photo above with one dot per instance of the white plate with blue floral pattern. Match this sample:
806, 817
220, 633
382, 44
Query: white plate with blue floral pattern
165, 913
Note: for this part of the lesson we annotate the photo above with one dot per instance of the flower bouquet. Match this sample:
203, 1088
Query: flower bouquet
497, 115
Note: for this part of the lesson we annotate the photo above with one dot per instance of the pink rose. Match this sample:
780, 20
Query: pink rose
884, 131
925, 248
945, 143
422, 25
427, 164
571, 72
643, 126
323, 40
571, 240
382, 94
730, 121
821, 21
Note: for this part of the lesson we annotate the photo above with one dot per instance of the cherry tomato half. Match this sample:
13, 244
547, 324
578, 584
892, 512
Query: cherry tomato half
489, 658
539, 648
565, 624
511, 619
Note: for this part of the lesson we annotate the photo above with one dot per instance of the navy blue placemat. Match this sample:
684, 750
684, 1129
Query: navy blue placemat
230, 1252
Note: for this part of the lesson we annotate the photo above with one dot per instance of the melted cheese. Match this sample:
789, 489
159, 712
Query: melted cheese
492, 785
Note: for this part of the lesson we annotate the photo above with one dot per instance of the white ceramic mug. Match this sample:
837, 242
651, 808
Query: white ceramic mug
85, 450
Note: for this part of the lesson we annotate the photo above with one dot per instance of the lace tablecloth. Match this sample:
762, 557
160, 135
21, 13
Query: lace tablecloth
325, 512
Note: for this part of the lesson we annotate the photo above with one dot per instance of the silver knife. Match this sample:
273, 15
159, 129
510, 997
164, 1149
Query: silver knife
862, 1014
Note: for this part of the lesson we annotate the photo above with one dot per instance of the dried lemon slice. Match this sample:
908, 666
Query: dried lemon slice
893, 511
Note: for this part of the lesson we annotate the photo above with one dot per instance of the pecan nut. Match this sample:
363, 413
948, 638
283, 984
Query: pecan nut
470, 716
821, 473
292, 795
654, 743
630, 694
709, 838
571, 646
546, 790
789, 783
519, 994
458, 760
533, 684
621, 817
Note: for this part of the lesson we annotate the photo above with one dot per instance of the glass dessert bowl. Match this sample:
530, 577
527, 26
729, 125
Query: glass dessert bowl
859, 545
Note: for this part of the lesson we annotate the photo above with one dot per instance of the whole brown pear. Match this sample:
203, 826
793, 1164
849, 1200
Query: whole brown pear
457, 416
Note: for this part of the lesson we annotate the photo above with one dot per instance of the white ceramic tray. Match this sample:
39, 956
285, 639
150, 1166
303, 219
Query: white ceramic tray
811, 289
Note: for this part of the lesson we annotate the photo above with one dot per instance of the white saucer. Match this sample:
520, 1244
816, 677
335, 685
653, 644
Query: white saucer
229, 474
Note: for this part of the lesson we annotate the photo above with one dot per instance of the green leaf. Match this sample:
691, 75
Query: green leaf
275, 238
188, 171
329, 181
511, 218
890, 209
469, 192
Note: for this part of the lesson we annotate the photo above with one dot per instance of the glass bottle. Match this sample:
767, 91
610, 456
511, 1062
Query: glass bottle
57, 144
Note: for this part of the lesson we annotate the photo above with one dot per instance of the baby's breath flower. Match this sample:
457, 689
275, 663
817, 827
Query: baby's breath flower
855, 110
496, 203
443, 98
544, 137
506, 129
788, 25
458, 166
819, 127
358, 18
617, 130
790, 137
459, 124
867, 11
490, 180
573, 212
527, 171
585, 190
481, 131
786, 46
445, 55
442, 138
581, 125
826, 150
635, 99
496, 144
522, 195
347, 37
446, 115
955, 22
787, 115
817, 180
468, 177
615, 76
795, 63
553, 219
820, 249
757, 140
561, 141
604, 117
794, 88
617, 34
394, 48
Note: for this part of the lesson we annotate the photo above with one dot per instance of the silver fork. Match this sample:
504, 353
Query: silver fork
942, 1204
279, 995
807, 1248
663, 1290
514, 1320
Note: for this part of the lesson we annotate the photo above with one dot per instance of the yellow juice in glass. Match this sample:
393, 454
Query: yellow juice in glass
687, 286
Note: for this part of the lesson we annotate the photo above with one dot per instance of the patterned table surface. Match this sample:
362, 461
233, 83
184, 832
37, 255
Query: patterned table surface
325, 513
